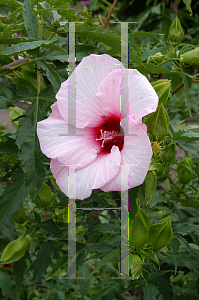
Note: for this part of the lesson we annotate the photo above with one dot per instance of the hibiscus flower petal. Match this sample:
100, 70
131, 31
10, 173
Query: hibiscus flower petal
95, 175
143, 99
136, 153
109, 93
87, 76
78, 151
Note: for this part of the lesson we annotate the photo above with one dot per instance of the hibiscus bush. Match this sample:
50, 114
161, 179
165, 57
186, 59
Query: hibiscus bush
100, 173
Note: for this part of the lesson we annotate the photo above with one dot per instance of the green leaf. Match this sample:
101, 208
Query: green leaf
189, 203
7, 286
56, 3
93, 3
8, 147
37, 217
48, 95
184, 243
107, 292
30, 21
62, 58
153, 69
133, 194
50, 227
156, 274
31, 229
187, 85
186, 228
111, 228
150, 52
150, 291
5, 98
135, 35
182, 125
41, 262
84, 271
51, 74
19, 271
4, 103
29, 46
188, 6
13, 3
107, 258
12, 197
187, 135
101, 247
23, 94
28, 143
107, 37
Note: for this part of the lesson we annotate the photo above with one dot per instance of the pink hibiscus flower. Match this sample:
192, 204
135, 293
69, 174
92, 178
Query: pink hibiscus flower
105, 143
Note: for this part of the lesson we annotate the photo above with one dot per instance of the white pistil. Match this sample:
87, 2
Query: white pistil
106, 135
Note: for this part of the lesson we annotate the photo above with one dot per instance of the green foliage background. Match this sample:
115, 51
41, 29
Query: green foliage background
33, 60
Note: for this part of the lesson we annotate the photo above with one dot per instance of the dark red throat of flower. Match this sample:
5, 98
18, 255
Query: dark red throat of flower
110, 133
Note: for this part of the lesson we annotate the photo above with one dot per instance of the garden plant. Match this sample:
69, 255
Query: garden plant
104, 100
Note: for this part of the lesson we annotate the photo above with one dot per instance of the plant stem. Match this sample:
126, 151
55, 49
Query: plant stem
181, 85
109, 14
106, 22
51, 36
166, 61
171, 180
41, 27
14, 63
101, 20
38, 83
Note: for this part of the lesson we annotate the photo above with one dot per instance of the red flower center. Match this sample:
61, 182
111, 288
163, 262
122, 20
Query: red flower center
110, 133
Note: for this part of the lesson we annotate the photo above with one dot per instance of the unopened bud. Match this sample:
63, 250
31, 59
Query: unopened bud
156, 58
161, 234
191, 58
15, 250
162, 88
139, 229
185, 175
158, 122
176, 32
45, 195
150, 186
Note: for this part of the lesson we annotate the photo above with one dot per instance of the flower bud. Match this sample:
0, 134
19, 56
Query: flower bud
162, 88
156, 58
19, 216
136, 265
15, 250
161, 234
158, 122
139, 229
185, 175
60, 217
191, 58
45, 195
176, 33
150, 186
15, 112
